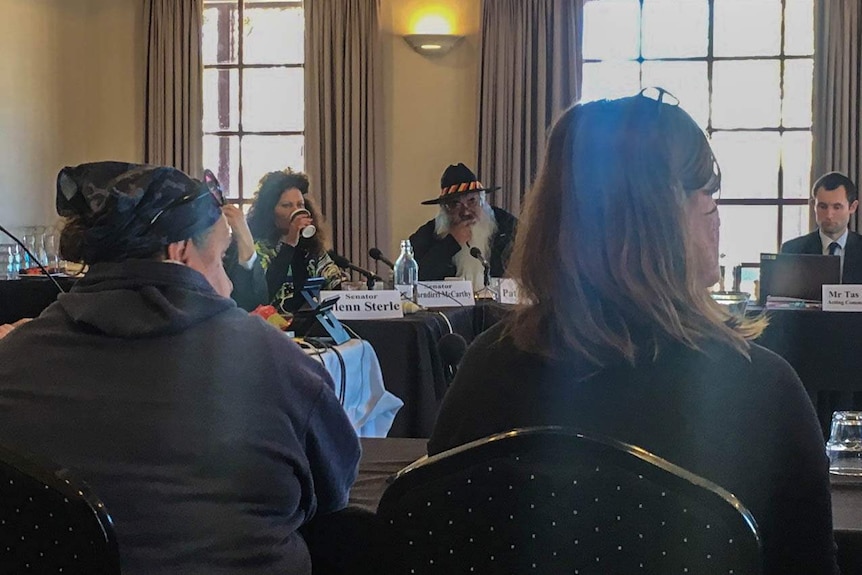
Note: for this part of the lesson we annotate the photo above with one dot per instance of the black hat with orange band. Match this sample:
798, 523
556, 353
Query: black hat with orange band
457, 181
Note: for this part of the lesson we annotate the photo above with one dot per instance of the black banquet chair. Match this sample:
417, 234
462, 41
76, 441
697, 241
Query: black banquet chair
551, 500
51, 523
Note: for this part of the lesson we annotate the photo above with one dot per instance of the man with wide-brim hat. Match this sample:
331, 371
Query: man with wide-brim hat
465, 220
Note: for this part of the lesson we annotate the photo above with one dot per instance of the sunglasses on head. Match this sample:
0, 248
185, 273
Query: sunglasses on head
212, 189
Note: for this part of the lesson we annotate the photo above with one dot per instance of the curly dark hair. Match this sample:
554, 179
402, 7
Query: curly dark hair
261, 216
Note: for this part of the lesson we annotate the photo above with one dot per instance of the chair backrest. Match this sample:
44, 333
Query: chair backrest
549, 500
51, 523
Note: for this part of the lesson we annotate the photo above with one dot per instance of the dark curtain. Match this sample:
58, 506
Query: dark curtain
531, 60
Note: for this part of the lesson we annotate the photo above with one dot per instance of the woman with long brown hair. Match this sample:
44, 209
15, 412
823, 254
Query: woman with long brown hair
616, 249
280, 220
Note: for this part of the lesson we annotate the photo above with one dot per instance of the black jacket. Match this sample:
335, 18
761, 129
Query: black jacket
746, 424
434, 254
810, 244
210, 436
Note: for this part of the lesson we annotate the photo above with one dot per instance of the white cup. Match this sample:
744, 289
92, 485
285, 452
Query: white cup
309, 230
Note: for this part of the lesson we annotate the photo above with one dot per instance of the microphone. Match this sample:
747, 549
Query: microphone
477, 253
452, 348
345, 263
378, 256
34, 259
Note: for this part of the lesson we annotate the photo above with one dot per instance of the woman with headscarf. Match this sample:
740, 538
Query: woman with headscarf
616, 249
210, 437
290, 241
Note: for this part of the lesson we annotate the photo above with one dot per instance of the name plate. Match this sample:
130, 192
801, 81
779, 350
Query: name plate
364, 304
509, 290
446, 293
842, 297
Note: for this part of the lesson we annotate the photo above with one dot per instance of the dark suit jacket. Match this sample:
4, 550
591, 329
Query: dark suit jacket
435, 254
810, 244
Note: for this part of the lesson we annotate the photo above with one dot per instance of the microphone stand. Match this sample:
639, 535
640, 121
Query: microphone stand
346, 264
370, 278
486, 292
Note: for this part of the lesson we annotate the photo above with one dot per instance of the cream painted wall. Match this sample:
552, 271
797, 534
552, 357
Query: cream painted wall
71, 91
430, 111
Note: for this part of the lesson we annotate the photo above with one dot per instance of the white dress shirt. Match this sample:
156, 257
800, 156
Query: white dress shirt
825, 241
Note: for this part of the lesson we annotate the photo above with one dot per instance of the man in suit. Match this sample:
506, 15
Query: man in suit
465, 220
835, 199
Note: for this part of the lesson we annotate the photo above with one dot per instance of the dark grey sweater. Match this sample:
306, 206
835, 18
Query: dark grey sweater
209, 435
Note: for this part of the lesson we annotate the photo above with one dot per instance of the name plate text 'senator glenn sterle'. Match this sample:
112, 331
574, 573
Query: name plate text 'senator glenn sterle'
842, 297
454, 293
365, 304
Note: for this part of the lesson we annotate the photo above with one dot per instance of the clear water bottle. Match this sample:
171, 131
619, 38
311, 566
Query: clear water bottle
407, 272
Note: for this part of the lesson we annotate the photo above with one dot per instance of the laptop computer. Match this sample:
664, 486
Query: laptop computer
799, 276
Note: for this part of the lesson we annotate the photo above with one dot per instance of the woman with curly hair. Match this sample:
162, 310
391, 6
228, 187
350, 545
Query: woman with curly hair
278, 216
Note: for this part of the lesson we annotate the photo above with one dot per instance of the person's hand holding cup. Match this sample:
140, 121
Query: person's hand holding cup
301, 224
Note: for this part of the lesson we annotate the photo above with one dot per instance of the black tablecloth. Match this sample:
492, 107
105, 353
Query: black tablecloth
382, 458
411, 363
822, 347
27, 297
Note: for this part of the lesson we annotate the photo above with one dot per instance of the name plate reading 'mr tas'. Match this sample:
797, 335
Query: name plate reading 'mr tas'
446, 294
843, 297
376, 304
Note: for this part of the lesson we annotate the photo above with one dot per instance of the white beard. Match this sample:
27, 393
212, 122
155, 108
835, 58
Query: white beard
466, 265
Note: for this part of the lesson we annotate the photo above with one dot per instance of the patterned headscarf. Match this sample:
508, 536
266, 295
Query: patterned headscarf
133, 210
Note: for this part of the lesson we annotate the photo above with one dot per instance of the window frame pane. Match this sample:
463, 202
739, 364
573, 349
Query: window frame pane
793, 50
233, 95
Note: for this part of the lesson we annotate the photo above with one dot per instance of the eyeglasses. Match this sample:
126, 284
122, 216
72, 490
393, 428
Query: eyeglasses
465, 202
213, 189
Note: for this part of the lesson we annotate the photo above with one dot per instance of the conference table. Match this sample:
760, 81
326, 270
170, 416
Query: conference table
410, 361
355, 371
383, 457
821, 346
412, 365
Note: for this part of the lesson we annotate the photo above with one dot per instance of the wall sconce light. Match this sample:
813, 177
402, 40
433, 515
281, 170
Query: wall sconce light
432, 44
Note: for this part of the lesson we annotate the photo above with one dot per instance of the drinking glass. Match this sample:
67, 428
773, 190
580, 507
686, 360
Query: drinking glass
29, 238
10, 260
52, 252
7, 261
844, 447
